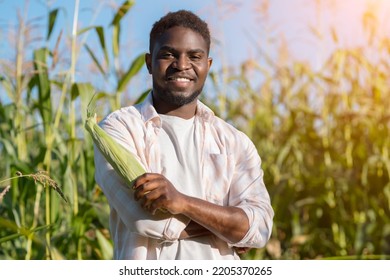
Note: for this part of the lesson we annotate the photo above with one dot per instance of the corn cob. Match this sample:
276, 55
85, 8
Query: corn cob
122, 160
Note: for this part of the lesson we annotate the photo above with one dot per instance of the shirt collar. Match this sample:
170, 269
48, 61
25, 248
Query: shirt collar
204, 112
148, 112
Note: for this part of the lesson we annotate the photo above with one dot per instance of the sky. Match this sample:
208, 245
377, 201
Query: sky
241, 30
235, 25
229, 21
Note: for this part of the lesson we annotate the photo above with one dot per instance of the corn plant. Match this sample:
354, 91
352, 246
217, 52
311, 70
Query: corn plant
323, 136
42, 129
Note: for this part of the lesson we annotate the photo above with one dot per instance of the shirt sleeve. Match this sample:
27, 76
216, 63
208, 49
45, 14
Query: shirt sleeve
249, 193
120, 197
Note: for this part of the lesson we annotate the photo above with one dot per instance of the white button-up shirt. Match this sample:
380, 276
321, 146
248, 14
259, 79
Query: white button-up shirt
231, 175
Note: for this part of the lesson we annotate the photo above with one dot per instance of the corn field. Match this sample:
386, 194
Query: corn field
323, 135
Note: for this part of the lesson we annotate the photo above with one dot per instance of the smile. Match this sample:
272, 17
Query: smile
179, 79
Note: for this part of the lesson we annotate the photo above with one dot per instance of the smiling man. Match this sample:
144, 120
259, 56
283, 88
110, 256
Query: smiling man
203, 196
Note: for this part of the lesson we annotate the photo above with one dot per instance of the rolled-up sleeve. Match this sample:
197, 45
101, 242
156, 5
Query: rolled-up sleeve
249, 193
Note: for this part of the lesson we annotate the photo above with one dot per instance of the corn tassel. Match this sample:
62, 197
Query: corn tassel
122, 160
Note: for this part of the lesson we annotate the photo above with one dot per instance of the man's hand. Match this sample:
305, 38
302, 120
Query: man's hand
155, 192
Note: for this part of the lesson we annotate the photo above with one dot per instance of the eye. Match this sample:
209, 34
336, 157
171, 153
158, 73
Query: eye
195, 56
166, 55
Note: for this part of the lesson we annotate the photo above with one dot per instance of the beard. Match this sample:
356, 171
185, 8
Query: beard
176, 99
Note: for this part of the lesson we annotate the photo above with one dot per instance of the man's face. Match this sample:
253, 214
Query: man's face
179, 64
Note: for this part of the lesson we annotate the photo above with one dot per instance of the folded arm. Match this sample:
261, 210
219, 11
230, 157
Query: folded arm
155, 192
245, 220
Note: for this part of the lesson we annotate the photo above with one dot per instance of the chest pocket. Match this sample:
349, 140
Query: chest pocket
218, 172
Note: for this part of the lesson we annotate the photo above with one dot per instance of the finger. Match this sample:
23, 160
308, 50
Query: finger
149, 197
140, 181
144, 178
144, 189
152, 201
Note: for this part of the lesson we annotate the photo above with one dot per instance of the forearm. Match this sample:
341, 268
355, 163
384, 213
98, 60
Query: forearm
229, 223
154, 192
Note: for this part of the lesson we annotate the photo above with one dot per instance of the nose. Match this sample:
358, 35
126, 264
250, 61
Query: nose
181, 63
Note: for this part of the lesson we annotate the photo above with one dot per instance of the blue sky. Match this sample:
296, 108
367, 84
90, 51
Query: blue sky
235, 24
230, 21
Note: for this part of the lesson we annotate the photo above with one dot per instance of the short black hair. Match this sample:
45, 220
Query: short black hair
182, 18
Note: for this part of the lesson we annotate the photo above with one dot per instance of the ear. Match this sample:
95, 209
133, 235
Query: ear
209, 62
148, 62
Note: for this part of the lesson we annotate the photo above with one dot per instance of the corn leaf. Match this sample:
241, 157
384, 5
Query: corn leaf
142, 96
94, 58
100, 32
122, 11
44, 92
52, 21
105, 246
134, 68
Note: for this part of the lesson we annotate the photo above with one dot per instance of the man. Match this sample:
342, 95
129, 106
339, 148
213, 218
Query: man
203, 196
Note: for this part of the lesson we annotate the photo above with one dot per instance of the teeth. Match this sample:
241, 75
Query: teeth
181, 79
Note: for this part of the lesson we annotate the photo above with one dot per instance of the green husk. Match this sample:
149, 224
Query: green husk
122, 160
